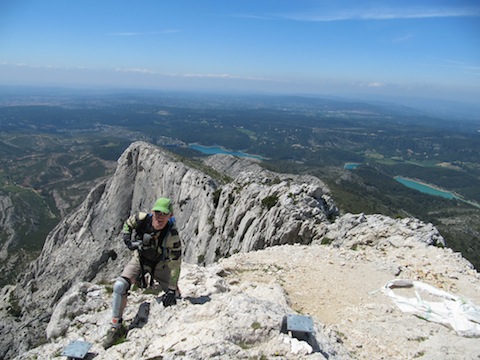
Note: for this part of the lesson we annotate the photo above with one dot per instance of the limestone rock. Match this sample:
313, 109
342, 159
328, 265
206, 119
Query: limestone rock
352, 230
222, 315
214, 320
78, 300
257, 209
233, 309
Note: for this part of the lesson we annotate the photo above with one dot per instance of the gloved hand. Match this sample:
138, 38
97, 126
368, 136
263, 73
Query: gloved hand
127, 239
134, 245
169, 298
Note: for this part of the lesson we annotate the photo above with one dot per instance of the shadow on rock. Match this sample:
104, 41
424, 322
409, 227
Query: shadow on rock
198, 300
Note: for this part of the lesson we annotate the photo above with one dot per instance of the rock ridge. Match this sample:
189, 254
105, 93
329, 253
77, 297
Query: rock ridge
84, 246
256, 210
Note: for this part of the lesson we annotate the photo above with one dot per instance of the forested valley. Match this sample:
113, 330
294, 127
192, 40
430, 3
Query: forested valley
55, 145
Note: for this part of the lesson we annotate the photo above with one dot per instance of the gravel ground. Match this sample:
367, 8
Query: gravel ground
342, 288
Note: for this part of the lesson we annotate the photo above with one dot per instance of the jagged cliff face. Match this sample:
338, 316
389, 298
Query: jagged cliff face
12, 218
233, 308
255, 210
7, 223
223, 207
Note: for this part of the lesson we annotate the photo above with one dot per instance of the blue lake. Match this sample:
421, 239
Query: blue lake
211, 150
424, 188
351, 166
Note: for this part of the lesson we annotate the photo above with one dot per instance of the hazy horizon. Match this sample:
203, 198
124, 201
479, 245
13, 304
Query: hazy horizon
319, 47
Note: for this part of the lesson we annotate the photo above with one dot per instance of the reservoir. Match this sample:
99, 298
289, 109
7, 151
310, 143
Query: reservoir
351, 166
424, 188
211, 150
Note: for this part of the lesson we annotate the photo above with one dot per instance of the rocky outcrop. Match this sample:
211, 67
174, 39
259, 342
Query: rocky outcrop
254, 210
223, 206
233, 309
216, 318
6, 221
353, 230
11, 217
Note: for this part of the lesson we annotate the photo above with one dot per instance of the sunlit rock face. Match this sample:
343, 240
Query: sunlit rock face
222, 206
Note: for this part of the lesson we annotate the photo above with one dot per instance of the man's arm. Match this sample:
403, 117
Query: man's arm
131, 224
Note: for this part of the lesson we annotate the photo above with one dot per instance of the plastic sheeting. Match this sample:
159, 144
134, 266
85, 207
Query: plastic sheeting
453, 311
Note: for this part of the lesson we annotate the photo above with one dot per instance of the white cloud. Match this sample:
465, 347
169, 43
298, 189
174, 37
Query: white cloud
375, 84
454, 64
386, 14
193, 75
136, 70
403, 38
227, 76
170, 31
133, 33
146, 71
218, 76
36, 66
254, 17
145, 33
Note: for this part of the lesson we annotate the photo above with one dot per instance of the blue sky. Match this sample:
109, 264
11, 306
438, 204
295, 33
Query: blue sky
335, 47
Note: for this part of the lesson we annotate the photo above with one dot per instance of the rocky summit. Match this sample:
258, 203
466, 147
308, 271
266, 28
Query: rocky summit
258, 246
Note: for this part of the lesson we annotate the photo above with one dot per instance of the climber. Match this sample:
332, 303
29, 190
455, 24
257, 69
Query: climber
158, 252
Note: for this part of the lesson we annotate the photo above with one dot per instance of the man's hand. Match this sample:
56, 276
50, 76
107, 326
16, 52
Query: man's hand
133, 245
127, 239
169, 298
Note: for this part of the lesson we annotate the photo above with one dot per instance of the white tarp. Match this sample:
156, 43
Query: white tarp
452, 311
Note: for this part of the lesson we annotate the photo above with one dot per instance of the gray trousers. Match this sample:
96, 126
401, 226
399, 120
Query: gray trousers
131, 272
133, 269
